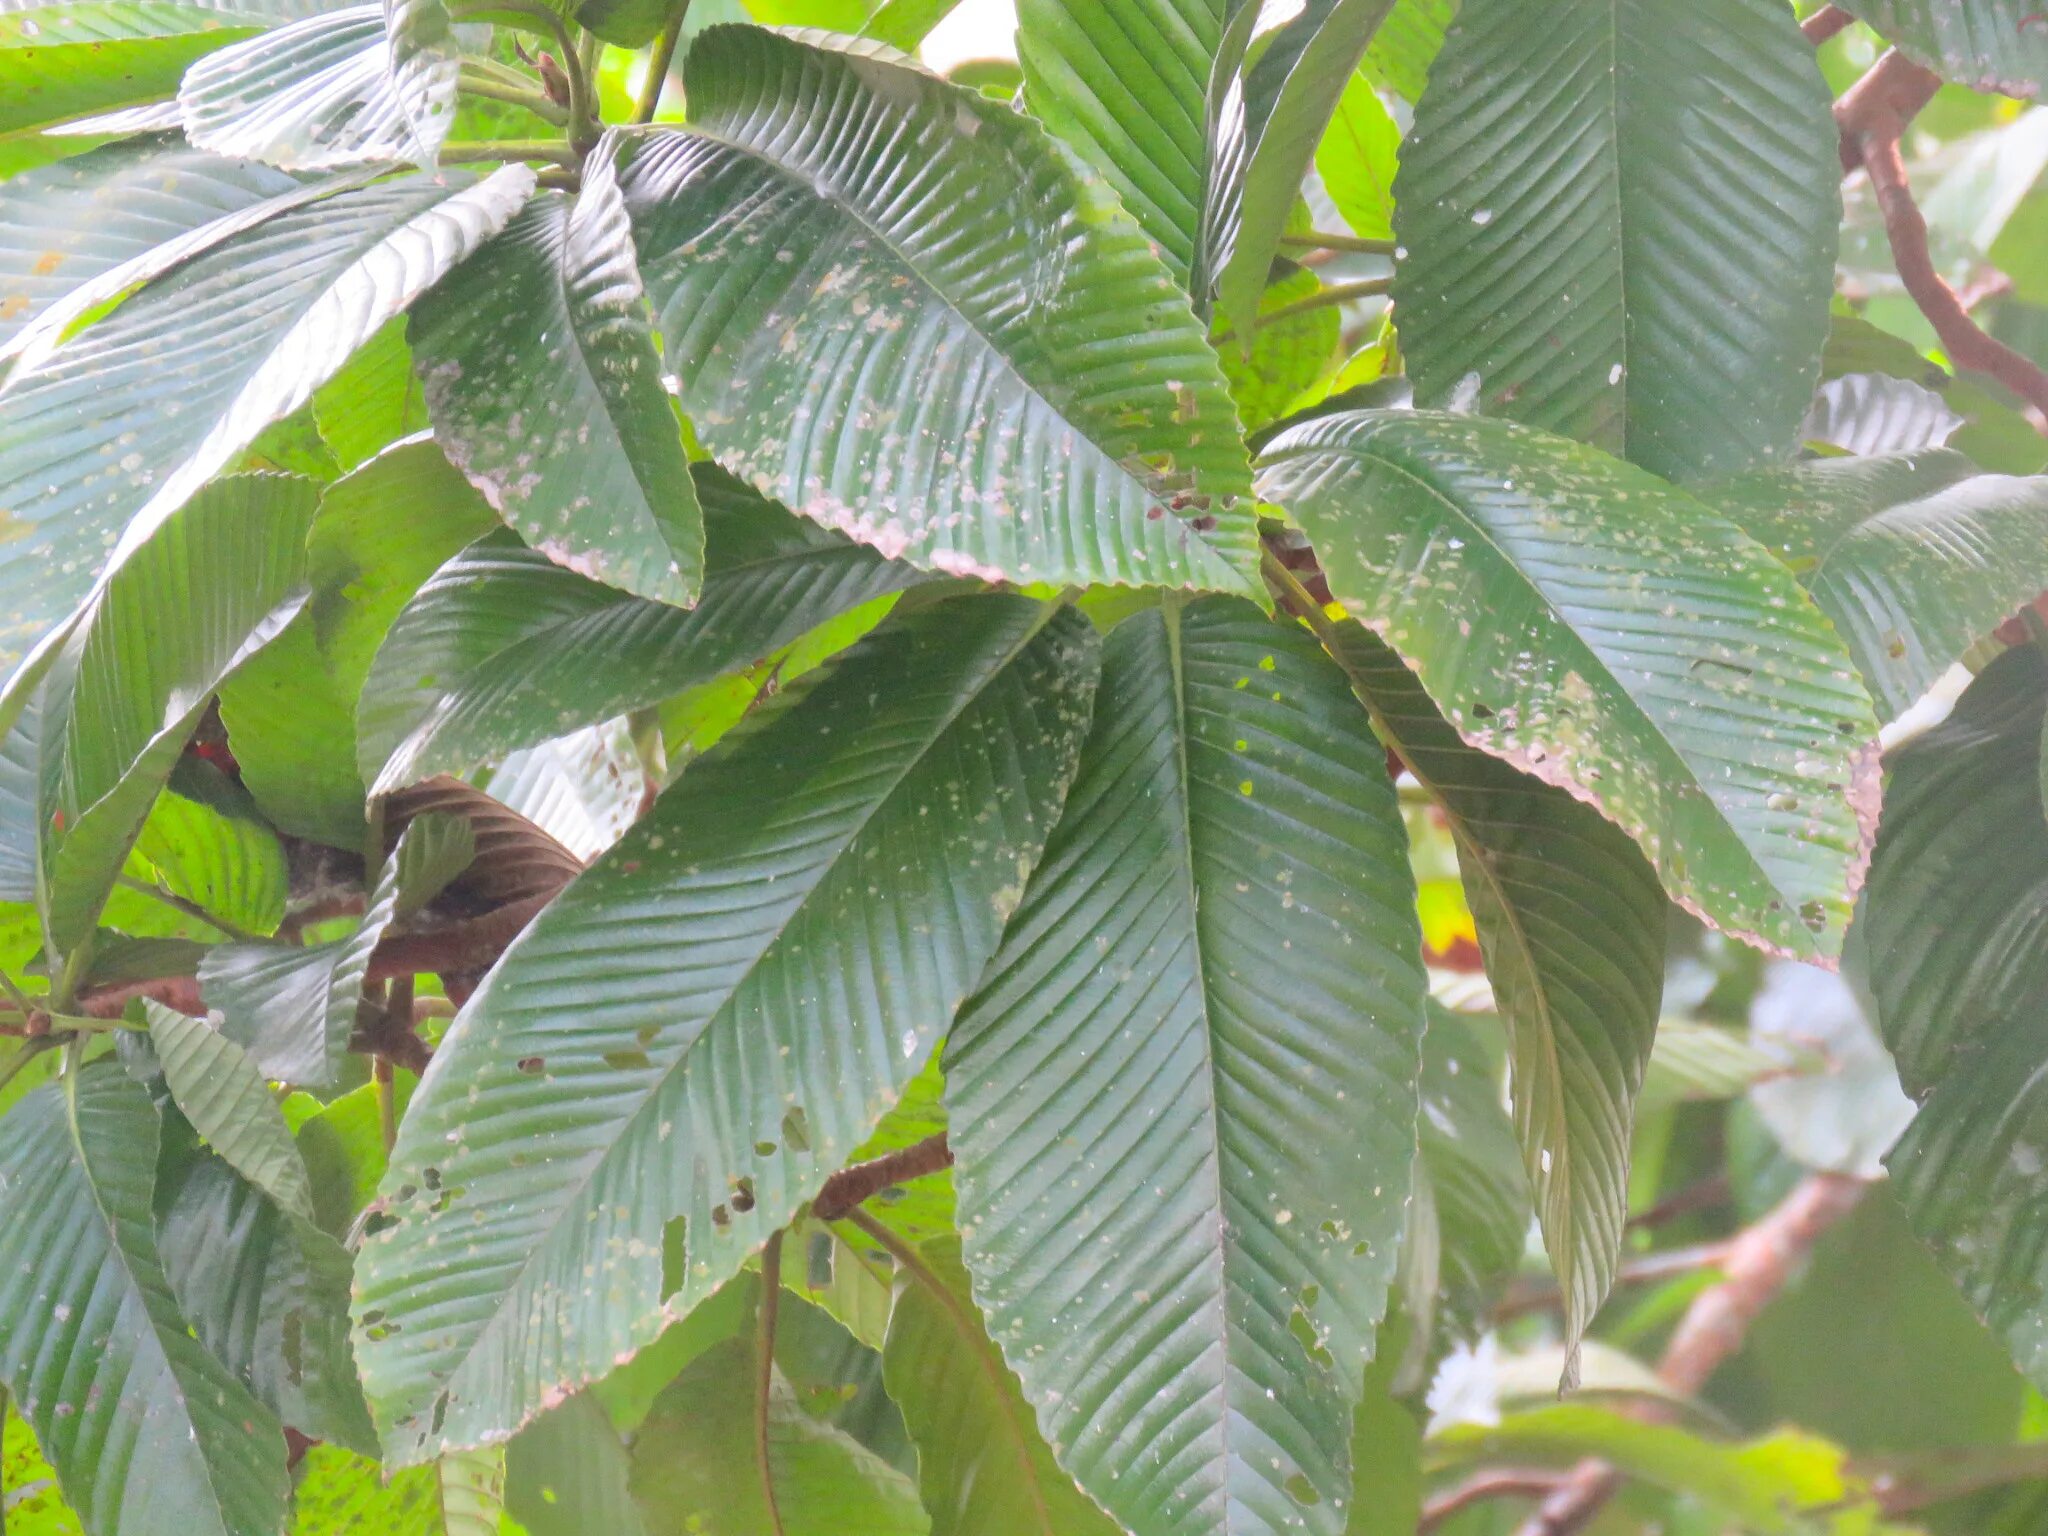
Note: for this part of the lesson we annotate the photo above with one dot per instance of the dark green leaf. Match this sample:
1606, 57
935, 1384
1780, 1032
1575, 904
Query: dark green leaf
1988, 45
565, 1474
219, 1090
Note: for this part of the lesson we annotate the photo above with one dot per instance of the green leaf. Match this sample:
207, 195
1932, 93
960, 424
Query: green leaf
1956, 931
1994, 434
1571, 924
343, 1145
218, 1089
472, 1492
1127, 83
291, 713
1289, 94
223, 860
1407, 43
1357, 158
1707, 1063
993, 377
1987, 45
1184, 1099
212, 586
132, 1411
344, 1495
1867, 414
35, 1506
695, 1459
1620, 224
1474, 1163
543, 381
267, 1293
373, 401
1288, 355
565, 1474
504, 648
1914, 557
332, 90
914, 785
238, 337
1611, 636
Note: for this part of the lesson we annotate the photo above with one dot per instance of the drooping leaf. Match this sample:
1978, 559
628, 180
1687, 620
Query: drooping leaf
1915, 557
234, 339
1620, 224
566, 1474
1988, 45
1614, 637
992, 377
291, 713
914, 786
218, 1089
543, 380
1957, 938
695, 1462
339, 88
266, 1292
214, 584
132, 1411
504, 648
1571, 924
1183, 1101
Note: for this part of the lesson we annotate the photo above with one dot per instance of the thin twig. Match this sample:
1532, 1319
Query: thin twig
1325, 240
1326, 298
30, 1050
764, 1374
1705, 1195
493, 90
658, 64
511, 150
1500, 1483
1825, 23
850, 1186
17, 994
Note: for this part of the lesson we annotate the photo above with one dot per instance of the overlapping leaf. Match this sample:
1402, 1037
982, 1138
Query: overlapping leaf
130, 1408
1620, 224
1571, 923
566, 1474
368, 84
1868, 414
1474, 1166
543, 380
1988, 45
219, 1090
1914, 556
927, 327
504, 648
714, 1016
1183, 1101
215, 853
121, 425
1956, 930
1611, 636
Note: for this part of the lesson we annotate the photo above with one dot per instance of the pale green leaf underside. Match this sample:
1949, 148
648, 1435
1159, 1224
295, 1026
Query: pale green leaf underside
134, 1414
122, 424
732, 996
1612, 636
545, 387
1572, 926
1988, 45
1183, 1100
1915, 557
930, 328
218, 1089
1620, 224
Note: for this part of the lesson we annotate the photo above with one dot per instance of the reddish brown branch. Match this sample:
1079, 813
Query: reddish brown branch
850, 1186
1760, 1263
1825, 23
1502, 1483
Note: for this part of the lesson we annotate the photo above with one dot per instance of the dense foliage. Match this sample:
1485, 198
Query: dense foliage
744, 791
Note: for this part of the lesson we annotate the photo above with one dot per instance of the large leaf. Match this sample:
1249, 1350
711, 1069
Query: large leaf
1620, 224
219, 1090
1184, 1100
543, 380
1956, 928
215, 852
695, 1462
1477, 1187
335, 89
1614, 637
215, 583
1988, 45
291, 713
1915, 557
1571, 923
1127, 83
830, 885
565, 1474
504, 648
122, 424
132, 1411
982, 1467
988, 373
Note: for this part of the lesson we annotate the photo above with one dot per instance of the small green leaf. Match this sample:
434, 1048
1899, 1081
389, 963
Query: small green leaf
218, 1089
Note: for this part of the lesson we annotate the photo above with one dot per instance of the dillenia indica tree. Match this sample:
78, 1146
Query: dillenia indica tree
716, 751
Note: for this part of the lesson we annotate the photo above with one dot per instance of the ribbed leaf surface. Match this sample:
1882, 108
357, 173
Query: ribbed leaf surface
1915, 557
543, 381
220, 857
218, 1089
1955, 924
335, 89
132, 1411
1612, 636
215, 584
1620, 224
901, 309
1184, 1100
1988, 45
504, 648
1571, 923
1477, 1189
1868, 414
724, 1005
234, 340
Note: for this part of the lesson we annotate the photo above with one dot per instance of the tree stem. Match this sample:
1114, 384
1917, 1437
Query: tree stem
1324, 240
850, 1186
511, 150
658, 63
1327, 298
494, 90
